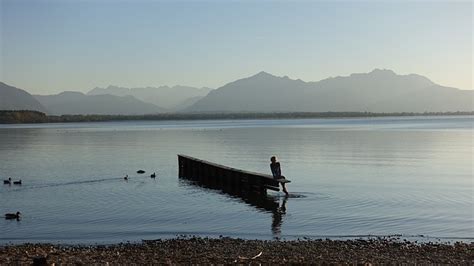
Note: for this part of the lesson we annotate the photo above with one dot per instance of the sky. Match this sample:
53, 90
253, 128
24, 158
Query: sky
51, 46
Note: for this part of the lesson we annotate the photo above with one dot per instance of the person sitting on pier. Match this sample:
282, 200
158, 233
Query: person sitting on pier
276, 171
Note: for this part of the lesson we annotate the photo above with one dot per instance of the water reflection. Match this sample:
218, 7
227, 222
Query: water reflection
366, 176
267, 203
277, 218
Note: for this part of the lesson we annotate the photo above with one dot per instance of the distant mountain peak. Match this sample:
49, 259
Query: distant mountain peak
12, 98
383, 71
169, 97
387, 73
71, 102
114, 87
263, 74
377, 72
71, 93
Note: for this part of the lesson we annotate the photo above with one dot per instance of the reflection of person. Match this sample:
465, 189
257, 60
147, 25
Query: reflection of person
277, 218
276, 171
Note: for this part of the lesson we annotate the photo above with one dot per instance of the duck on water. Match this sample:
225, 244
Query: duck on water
9, 182
11, 216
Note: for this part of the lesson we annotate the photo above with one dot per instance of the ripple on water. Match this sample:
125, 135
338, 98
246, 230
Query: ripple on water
349, 179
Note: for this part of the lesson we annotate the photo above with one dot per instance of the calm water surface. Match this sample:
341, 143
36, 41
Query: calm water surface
350, 178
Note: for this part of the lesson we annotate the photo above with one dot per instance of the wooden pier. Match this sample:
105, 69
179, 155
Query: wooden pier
226, 178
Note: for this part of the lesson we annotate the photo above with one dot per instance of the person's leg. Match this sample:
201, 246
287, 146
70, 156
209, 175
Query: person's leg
284, 188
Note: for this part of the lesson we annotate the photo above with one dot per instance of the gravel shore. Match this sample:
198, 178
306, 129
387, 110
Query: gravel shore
229, 250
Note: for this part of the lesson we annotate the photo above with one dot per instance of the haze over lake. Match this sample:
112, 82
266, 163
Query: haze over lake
350, 177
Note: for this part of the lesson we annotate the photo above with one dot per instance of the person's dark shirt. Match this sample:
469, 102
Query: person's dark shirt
276, 170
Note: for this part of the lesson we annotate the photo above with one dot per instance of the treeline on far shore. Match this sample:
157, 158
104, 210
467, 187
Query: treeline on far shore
26, 116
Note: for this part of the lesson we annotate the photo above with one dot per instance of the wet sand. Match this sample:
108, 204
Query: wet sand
229, 250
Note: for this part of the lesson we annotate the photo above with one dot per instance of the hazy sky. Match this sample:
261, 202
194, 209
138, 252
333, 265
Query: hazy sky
51, 46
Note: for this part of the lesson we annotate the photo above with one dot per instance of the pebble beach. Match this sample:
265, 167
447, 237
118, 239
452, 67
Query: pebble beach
197, 250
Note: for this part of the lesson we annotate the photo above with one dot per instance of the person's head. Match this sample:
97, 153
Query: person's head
273, 159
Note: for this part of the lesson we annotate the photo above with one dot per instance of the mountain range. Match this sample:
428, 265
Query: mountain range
380, 90
69, 102
12, 98
377, 91
171, 98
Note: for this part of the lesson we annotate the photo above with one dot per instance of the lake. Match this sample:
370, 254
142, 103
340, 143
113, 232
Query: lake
410, 176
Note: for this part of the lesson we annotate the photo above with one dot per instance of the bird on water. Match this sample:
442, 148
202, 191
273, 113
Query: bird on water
8, 181
17, 182
10, 216
153, 175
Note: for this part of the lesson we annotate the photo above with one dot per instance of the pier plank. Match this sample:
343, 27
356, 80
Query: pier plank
226, 177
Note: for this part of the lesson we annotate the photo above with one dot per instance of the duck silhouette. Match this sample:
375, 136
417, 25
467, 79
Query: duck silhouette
153, 175
8, 181
11, 216
17, 182
125, 177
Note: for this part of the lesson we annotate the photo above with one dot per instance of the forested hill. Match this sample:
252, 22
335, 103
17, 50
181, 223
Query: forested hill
24, 116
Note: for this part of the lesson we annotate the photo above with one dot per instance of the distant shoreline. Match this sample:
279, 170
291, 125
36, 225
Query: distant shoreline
26, 116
